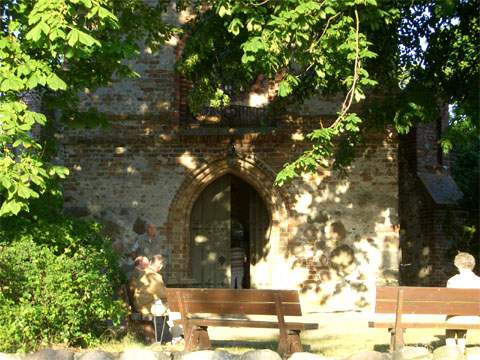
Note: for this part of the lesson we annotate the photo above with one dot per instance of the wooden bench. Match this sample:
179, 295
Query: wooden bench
230, 308
400, 301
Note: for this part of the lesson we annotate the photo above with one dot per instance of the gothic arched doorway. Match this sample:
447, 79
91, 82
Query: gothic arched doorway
229, 230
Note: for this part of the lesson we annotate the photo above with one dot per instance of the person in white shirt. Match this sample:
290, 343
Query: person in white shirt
466, 279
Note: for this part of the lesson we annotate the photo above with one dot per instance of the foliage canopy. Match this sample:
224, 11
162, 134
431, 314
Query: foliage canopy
403, 60
415, 56
56, 48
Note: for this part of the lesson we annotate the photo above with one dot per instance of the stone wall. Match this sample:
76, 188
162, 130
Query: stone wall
331, 237
431, 221
329, 234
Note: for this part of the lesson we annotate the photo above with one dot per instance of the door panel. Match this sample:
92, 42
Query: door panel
210, 229
259, 229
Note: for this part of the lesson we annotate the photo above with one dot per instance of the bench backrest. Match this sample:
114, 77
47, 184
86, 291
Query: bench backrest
427, 300
233, 301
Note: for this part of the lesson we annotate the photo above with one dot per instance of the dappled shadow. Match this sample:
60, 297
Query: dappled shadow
250, 344
382, 347
338, 236
253, 344
346, 236
331, 237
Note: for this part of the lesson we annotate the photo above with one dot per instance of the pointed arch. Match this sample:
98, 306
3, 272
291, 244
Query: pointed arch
178, 223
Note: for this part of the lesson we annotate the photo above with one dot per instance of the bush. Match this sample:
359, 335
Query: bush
57, 282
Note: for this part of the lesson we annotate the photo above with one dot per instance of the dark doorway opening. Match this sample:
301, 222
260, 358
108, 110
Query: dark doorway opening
229, 232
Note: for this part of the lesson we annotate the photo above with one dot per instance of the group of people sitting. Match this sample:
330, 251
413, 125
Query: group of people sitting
147, 294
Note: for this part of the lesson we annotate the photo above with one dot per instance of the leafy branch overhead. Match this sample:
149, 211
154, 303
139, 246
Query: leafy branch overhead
53, 49
403, 60
304, 46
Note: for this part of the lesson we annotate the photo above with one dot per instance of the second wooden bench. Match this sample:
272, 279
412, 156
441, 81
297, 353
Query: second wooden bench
405, 301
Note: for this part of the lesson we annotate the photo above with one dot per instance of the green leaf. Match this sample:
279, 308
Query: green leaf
35, 33
104, 13
235, 26
32, 81
72, 37
10, 207
23, 191
86, 39
6, 183
17, 143
223, 10
284, 88
12, 83
55, 83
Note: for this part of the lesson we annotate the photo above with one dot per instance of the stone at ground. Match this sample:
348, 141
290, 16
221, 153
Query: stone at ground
50, 354
4, 356
260, 355
412, 353
95, 355
447, 353
143, 354
205, 355
369, 355
473, 353
307, 356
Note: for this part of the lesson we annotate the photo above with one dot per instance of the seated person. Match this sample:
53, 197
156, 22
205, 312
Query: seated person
135, 286
148, 285
466, 279
149, 293
160, 306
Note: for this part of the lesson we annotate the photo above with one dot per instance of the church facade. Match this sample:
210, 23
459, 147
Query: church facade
201, 192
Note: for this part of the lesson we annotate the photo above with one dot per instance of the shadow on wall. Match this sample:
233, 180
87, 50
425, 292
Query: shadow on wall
343, 231
346, 239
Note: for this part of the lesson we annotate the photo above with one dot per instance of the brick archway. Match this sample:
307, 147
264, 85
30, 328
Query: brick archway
178, 222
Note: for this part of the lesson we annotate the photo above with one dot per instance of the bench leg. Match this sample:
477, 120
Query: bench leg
289, 343
283, 342
396, 339
293, 342
197, 339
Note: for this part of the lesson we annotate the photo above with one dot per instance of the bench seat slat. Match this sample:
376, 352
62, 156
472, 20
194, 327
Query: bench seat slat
428, 294
236, 295
424, 325
249, 323
421, 306
241, 308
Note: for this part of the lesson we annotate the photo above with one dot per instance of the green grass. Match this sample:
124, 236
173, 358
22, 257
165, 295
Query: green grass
336, 344
339, 335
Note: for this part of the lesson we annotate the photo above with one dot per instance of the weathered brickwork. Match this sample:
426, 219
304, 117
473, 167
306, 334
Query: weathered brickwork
331, 237
430, 217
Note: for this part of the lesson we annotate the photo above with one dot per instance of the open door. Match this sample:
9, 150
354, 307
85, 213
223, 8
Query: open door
210, 235
229, 233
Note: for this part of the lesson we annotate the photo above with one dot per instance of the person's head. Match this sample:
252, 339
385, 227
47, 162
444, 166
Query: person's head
141, 262
157, 263
151, 231
464, 261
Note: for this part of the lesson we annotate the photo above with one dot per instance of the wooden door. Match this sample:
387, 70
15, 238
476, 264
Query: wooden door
210, 235
259, 230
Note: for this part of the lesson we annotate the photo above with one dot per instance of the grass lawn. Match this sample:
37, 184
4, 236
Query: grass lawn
339, 335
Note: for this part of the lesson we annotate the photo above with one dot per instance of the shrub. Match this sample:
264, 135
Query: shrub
57, 282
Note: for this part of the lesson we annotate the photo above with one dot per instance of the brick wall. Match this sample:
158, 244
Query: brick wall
333, 238
430, 227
